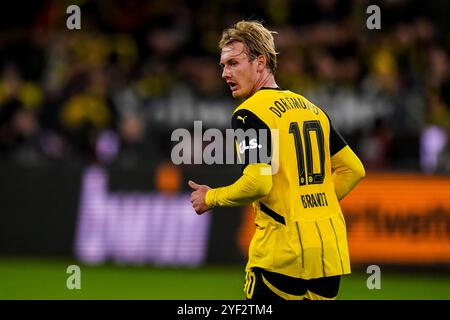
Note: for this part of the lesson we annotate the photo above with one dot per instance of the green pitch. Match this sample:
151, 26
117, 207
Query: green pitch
46, 279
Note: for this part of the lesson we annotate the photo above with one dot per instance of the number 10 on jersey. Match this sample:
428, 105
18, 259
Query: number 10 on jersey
306, 174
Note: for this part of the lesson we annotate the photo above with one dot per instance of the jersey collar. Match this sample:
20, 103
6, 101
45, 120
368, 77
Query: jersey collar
269, 88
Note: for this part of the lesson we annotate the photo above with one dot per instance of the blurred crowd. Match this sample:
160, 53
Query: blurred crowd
113, 91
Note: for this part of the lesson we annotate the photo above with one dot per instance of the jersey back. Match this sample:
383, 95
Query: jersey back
300, 229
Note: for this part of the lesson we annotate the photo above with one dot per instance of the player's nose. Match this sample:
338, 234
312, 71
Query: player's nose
225, 73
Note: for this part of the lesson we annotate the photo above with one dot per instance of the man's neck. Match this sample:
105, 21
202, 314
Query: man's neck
267, 81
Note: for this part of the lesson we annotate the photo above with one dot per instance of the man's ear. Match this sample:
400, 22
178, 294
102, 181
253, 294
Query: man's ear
262, 63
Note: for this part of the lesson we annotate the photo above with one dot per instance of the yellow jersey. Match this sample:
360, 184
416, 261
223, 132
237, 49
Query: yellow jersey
300, 229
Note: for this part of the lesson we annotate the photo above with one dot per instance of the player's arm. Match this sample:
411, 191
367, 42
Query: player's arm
346, 167
252, 185
347, 171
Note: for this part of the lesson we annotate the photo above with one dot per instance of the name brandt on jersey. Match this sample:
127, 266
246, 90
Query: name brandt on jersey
288, 103
314, 200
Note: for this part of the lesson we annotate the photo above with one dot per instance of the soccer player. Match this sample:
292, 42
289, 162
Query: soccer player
299, 249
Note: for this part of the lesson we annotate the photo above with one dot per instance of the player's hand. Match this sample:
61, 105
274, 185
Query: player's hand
198, 197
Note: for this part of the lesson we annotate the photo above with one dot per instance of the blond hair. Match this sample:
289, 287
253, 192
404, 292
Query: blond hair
256, 38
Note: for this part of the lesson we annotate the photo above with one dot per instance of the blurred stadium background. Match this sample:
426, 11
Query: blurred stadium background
86, 118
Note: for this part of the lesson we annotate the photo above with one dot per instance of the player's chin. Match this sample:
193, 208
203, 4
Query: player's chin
237, 93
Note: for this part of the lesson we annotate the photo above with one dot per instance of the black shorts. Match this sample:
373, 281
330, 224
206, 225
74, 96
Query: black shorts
264, 285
